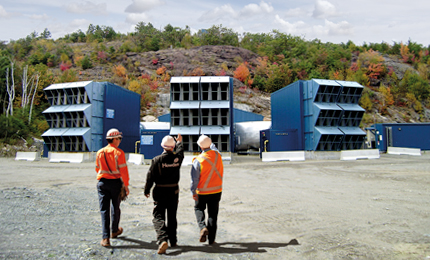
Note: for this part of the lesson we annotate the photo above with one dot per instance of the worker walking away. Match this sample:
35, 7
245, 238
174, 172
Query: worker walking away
112, 173
206, 186
164, 172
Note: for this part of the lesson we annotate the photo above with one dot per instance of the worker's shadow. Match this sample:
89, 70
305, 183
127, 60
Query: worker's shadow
226, 247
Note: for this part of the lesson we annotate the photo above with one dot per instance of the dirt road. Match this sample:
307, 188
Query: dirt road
365, 209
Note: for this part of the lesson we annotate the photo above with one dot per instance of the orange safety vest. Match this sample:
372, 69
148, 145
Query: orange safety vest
211, 172
111, 164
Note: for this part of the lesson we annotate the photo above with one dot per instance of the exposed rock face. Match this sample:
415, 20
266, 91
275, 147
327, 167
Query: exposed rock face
208, 58
211, 60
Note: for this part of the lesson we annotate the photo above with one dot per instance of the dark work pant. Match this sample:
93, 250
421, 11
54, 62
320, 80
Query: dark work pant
108, 191
166, 231
211, 201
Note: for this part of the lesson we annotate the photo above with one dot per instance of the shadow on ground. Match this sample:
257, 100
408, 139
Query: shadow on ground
224, 248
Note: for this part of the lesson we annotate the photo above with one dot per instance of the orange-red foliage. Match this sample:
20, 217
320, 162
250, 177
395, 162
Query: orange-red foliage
161, 70
242, 72
375, 70
120, 71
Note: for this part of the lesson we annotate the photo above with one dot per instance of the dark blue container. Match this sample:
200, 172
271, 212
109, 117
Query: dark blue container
407, 135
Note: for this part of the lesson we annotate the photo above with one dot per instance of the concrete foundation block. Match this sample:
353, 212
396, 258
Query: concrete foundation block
137, 159
402, 150
27, 156
359, 154
283, 156
57, 157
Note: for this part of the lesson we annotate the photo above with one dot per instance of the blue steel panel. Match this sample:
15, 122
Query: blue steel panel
283, 140
214, 130
215, 104
85, 132
351, 107
352, 130
185, 130
95, 92
318, 89
125, 106
55, 109
67, 85
184, 104
79, 107
164, 118
216, 79
324, 106
185, 79
245, 116
320, 132
151, 150
412, 136
287, 109
55, 132
403, 135
232, 139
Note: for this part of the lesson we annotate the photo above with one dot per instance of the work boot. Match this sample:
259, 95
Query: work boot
203, 234
105, 242
162, 248
119, 232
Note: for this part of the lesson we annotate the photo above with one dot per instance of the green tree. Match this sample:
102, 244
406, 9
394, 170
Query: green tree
219, 35
415, 84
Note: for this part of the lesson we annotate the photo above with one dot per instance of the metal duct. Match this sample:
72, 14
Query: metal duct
248, 134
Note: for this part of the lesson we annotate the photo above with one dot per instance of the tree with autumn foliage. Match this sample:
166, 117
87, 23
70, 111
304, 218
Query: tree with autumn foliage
242, 72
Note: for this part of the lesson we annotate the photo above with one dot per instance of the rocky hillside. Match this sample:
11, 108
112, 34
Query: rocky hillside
210, 60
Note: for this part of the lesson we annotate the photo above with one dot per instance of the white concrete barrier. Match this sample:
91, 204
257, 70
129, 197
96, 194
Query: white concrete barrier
27, 156
56, 157
359, 154
135, 158
402, 150
188, 159
283, 156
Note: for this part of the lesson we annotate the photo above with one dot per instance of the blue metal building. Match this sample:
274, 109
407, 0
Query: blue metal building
316, 115
407, 135
238, 116
151, 135
82, 112
202, 105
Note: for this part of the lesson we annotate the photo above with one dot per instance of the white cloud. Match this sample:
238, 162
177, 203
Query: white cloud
3, 13
218, 13
291, 28
226, 12
334, 29
296, 12
141, 6
79, 23
42, 17
87, 7
254, 9
324, 9
136, 18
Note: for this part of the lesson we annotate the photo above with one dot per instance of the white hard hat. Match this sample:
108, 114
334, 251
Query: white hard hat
204, 141
168, 142
113, 133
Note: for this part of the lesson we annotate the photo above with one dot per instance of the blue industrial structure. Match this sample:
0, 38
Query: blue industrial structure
82, 112
405, 135
315, 115
238, 116
151, 134
202, 105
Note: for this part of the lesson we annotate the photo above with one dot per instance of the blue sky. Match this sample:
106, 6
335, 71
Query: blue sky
328, 20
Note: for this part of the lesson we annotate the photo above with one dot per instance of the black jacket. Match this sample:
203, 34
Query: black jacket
165, 173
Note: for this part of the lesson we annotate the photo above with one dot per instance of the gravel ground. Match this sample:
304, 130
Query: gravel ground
317, 209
